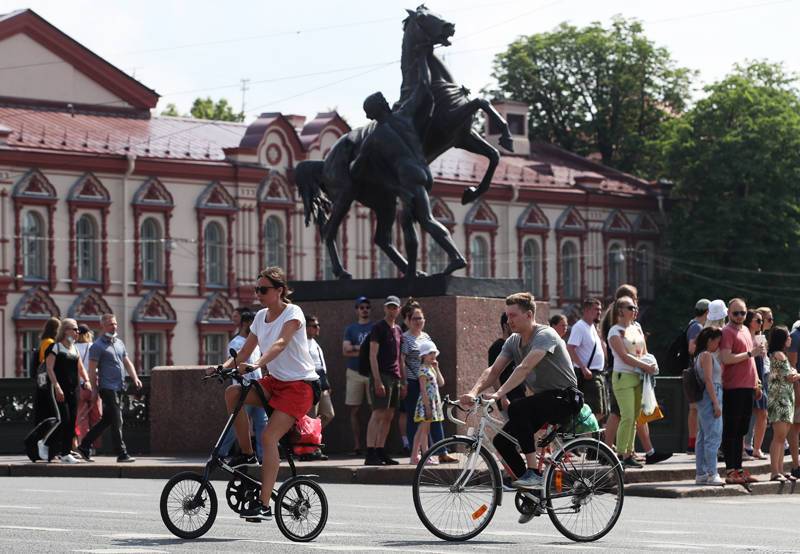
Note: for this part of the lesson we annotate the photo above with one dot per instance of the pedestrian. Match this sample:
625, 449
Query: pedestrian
89, 406
65, 371
357, 385
242, 319
289, 387
757, 425
692, 330
586, 351
387, 385
559, 324
780, 401
739, 389
48, 336
709, 407
45, 405
109, 358
494, 352
429, 404
717, 312
324, 408
628, 345
410, 360
794, 432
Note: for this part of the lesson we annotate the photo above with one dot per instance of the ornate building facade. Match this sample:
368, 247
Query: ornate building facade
165, 221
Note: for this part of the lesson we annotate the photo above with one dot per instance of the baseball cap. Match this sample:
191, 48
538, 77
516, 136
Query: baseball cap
361, 300
426, 347
392, 300
702, 304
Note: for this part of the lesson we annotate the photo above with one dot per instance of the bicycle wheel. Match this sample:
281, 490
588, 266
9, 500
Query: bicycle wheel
584, 490
188, 505
457, 501
301, 509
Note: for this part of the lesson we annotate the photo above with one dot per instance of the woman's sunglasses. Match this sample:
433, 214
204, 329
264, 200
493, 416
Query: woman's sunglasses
632, 308
263, 290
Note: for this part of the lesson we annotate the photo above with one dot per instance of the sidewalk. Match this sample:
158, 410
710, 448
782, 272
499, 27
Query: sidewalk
673, 478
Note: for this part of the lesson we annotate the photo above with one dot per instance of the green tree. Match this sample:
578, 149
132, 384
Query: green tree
734, 224
171, 110
206, 108
594, 89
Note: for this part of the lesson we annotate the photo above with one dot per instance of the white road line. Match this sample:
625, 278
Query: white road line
7, 507
122, 551
90, 511
25, 528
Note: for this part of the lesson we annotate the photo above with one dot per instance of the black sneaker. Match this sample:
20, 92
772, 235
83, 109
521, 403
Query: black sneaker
631, 463
387, 461
257, 512
243, 460
656, 457
85, 453
373, 460
125, 458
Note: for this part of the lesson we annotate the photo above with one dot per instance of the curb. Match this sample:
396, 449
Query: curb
687, 489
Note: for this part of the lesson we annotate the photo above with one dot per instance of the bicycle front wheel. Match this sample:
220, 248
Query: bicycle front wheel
188, 505
584, 490
456, 501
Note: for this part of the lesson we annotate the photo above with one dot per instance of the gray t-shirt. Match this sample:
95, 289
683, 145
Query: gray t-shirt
554, 371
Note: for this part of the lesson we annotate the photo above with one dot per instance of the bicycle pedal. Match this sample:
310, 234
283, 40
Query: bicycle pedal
252, 520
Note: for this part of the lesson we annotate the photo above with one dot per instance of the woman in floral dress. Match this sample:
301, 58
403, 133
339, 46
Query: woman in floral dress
780, 400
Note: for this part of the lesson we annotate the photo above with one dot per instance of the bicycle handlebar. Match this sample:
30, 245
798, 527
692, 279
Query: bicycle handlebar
480, 402
220, 374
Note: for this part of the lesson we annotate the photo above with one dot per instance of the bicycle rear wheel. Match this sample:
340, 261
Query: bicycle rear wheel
457, 501
188, 505
584, 490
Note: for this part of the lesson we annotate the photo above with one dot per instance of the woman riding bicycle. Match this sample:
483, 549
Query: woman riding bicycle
531, 346
279, 331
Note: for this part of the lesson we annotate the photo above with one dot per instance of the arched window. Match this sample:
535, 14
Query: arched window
479, 257
616, 267
437, 257
569, 270
532, 267
644, 272
86, 244
152, 251
214, 254
33, 246
386, 269
274, 243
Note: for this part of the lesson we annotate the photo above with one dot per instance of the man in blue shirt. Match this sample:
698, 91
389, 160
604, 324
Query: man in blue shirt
109, 358
357, 389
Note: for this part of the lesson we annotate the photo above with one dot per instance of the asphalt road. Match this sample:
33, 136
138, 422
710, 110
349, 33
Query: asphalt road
120, 515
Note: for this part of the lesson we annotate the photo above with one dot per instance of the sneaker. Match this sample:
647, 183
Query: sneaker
508, 487
84, 453
243, 460
257, 512
656, 457
386, 460
529, 480
373, 460
44, 451
701, 479
747, 477
125, 458
526, 517
631, 463
715, 480
796, 472
734, 478
69, 459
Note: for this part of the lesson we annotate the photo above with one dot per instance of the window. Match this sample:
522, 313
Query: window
569, 270
150, 345
152, 251
479, 258
644, 272
616, 267
214, 254
30, 352
531, 267
214, 349
33, 246
437, 257
516, 123
386, 269
274, 244
86, 245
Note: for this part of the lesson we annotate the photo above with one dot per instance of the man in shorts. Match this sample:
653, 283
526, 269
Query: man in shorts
357, 385
387, 383
586, 350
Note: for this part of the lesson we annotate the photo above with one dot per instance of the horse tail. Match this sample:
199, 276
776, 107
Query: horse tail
308, 176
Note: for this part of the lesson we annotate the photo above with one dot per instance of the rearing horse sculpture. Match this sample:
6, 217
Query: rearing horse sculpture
328, 189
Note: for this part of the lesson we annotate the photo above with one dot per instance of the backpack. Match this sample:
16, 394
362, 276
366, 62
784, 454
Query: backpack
677, 358
692, 385
363, 357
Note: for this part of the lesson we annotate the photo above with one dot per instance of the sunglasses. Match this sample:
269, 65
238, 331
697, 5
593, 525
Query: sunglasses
770, 319
632, 308
759, 321
739, 314
417, 319
263, 290
314, 325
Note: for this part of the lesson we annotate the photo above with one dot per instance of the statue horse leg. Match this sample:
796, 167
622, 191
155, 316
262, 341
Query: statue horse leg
330, 229
476, 144
384, 219
437, 231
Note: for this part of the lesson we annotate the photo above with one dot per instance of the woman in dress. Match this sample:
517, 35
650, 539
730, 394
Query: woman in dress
89, 405
780, 400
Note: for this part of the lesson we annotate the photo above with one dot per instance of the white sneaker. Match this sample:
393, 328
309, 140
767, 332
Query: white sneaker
44, 451
715, 480
69, 459
701, 480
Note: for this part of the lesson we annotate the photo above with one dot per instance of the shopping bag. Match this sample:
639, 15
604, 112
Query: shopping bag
649, 402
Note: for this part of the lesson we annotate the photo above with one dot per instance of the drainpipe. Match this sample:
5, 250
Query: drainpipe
131, 158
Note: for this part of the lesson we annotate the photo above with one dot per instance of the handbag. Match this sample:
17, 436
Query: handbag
655, 416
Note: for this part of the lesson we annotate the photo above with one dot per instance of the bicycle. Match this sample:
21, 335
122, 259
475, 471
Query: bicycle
189, 504
582, 491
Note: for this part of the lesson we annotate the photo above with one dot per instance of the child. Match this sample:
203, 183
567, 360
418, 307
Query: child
429, 405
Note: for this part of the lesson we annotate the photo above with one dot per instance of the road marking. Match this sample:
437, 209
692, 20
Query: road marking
666, 532
90, 511
7, 507
78, 491
122, 551
25, 528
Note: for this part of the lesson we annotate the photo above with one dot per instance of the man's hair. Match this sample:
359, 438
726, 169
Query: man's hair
626, 290
698, 313
591, 301
310, 318
556, 319
246, 316
737, 299
105, 318
524, 300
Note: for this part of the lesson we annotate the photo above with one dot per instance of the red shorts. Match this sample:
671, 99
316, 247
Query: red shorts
290, 397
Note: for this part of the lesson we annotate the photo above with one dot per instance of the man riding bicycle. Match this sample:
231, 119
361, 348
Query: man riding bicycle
542, 361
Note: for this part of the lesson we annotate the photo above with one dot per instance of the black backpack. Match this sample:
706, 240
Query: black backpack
693, 387
677, 358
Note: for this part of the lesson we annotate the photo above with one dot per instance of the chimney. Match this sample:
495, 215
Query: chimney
516, 115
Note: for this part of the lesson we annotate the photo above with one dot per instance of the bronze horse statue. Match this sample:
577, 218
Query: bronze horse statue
328, 189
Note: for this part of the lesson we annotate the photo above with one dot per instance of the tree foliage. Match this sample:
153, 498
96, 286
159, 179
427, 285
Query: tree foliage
206, 108
594, 89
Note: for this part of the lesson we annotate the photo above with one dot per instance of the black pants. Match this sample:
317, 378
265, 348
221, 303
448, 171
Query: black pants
737, 407
60, 442
525, 417
112, 416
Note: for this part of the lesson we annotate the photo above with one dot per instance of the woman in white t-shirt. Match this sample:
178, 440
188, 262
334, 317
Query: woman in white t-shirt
279, 331
627, 342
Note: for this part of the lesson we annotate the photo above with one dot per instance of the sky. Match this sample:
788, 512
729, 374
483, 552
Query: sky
309, 56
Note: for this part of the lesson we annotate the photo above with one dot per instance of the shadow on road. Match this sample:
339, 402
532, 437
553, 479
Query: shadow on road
435, 542
168, 541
